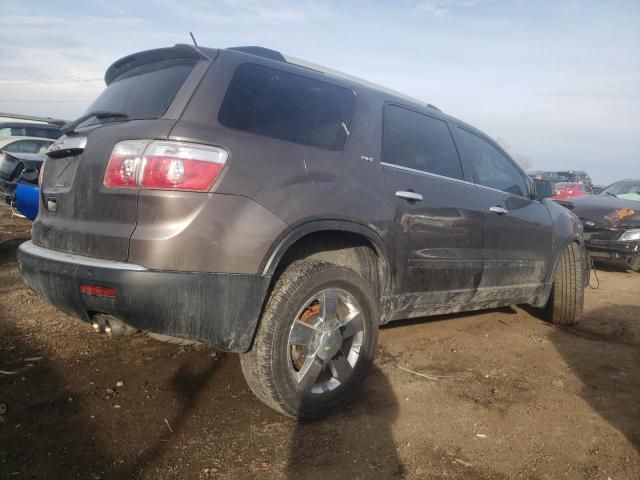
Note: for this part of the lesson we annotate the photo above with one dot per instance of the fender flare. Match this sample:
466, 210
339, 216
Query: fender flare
282, 245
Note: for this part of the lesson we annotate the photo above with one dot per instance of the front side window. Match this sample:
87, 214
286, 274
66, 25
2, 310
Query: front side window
491, 167
420, 142
282, 105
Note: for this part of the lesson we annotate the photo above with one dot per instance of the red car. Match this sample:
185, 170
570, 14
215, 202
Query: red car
566, 190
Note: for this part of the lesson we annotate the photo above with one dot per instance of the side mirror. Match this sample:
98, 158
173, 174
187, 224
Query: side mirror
543, 188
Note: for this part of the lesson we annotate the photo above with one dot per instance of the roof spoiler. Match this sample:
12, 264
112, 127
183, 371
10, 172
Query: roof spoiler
179, 50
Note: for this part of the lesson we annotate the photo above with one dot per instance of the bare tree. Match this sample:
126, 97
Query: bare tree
524, 161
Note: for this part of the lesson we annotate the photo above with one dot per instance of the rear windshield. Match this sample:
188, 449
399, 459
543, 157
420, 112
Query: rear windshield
143, 92
290, 107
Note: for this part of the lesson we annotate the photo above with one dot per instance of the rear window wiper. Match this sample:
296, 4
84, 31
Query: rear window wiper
100, 114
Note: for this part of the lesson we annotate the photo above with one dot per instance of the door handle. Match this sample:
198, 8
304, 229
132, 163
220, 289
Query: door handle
416, 197
499, 210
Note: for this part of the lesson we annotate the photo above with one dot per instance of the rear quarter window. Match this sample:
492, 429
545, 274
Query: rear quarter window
273, 103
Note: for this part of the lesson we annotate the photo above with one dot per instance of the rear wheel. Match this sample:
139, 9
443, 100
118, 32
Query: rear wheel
566, 301
315, 342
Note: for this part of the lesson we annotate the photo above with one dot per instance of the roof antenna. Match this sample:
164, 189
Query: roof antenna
194, 39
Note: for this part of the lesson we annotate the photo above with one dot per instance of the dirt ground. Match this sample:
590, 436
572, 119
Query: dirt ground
513, 398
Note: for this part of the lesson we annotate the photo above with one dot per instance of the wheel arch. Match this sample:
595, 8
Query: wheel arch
313, 237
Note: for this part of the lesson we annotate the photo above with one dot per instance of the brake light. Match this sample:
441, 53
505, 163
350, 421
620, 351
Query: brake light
164, 165
181, 166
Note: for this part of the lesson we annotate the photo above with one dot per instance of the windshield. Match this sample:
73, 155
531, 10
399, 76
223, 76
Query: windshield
565, 185
143, 92
626, 189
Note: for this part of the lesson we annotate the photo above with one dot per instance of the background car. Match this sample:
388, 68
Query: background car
611, 223
565, 190
25, 144
547, 175
18, 168
31, 129
26, 199
578, 176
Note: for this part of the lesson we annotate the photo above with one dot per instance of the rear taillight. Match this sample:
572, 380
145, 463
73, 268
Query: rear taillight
181, 166
164, 165
122, 169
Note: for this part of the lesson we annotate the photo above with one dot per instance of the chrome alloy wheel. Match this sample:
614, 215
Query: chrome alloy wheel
325, 340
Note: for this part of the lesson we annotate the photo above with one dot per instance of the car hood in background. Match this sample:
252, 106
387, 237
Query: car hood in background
605, 211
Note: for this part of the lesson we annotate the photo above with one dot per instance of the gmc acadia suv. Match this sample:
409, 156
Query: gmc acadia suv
270, 207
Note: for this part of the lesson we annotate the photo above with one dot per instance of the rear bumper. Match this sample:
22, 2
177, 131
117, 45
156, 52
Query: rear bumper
221, 310
613, 250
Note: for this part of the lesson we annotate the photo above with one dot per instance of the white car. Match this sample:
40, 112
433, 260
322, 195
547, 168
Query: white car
25, 144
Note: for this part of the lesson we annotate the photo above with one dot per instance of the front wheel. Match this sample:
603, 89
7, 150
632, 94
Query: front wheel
316, 340
634, 264
566, 301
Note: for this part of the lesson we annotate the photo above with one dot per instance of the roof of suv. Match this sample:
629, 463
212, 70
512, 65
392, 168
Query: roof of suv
205, 53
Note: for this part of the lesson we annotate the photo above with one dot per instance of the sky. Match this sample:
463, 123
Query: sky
556, 80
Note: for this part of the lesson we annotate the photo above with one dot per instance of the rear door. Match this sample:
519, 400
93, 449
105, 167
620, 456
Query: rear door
78, 214
519, 230
439, 217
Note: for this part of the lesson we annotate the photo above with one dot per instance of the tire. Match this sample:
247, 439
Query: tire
566, 301
634, 264
274, 368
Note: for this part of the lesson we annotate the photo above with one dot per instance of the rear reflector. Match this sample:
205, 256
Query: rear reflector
99, 291
164, 165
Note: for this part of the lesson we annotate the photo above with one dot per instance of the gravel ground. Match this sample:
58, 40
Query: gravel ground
513, 397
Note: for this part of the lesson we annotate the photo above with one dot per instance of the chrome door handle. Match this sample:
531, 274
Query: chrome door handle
416, 197
499, 210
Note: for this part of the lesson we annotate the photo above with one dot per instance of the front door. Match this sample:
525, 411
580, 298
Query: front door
518, 228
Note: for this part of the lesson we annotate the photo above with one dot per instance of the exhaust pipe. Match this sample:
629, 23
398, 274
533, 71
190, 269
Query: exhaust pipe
112, 326
98, 323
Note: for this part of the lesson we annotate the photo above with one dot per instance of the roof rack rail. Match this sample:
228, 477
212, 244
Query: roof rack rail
50, 120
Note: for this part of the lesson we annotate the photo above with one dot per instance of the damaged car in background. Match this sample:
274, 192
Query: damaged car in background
611, 223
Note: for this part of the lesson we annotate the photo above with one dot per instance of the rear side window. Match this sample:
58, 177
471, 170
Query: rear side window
418, 141
144, 92
491, 167
290, 107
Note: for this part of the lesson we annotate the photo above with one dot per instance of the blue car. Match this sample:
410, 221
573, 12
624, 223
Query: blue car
27, 200
19, 181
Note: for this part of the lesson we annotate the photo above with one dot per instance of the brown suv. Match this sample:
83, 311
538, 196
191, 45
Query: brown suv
273, 208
